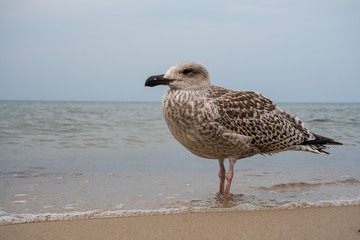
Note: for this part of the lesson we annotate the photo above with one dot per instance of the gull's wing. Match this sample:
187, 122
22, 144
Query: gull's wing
254, 115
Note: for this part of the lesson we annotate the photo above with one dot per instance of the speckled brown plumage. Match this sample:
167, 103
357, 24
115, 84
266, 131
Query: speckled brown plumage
217, 123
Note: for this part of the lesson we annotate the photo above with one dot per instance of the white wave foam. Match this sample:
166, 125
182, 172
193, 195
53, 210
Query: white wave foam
6, 218
19, 202
20, 195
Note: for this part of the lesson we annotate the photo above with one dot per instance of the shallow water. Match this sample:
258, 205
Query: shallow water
70, 160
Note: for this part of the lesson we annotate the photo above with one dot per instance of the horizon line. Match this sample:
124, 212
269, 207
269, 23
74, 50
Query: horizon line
142, 101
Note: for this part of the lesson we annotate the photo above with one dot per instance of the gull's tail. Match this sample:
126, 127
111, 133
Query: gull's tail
319, 143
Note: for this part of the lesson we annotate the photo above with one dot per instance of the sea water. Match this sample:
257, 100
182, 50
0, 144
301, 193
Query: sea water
79, 160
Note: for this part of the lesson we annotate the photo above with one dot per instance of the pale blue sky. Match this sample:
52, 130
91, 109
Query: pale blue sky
291, 51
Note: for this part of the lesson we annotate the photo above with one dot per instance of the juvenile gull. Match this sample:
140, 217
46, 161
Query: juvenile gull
217, 123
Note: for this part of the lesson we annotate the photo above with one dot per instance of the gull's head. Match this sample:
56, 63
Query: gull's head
183, 76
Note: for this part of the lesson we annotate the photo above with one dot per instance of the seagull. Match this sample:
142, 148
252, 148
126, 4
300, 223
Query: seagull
217, 123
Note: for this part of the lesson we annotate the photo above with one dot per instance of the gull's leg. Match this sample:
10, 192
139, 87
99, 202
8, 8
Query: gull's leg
222, 175
229, 177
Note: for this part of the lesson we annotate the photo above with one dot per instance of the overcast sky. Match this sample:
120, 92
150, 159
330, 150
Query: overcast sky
291, 51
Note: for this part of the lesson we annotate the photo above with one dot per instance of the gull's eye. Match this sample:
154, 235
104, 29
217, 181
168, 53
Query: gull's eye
187, 71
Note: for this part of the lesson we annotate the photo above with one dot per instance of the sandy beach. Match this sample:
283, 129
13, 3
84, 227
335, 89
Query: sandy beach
309, 223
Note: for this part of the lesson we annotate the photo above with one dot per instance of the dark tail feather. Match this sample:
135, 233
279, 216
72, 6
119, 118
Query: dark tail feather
321, 140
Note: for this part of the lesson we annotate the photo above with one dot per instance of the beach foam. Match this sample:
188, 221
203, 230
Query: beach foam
6, 219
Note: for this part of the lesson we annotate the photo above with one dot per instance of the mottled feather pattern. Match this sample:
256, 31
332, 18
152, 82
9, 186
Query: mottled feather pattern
254, 115
186, 112
239, 123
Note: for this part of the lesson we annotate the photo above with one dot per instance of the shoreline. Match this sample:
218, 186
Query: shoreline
300, 223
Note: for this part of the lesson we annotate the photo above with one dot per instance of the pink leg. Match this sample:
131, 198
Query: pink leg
222, 175
229, 177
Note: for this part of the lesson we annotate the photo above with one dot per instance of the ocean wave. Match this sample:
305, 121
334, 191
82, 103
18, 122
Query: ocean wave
6, 219
323, 120
305, 185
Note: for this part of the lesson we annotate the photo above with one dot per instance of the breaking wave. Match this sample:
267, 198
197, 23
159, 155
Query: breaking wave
6, 219
305, 185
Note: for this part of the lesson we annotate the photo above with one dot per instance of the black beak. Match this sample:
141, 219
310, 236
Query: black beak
157, 80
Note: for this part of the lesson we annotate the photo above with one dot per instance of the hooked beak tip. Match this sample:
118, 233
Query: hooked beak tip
157, 80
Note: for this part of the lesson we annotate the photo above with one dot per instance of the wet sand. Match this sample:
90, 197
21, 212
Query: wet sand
308, 223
